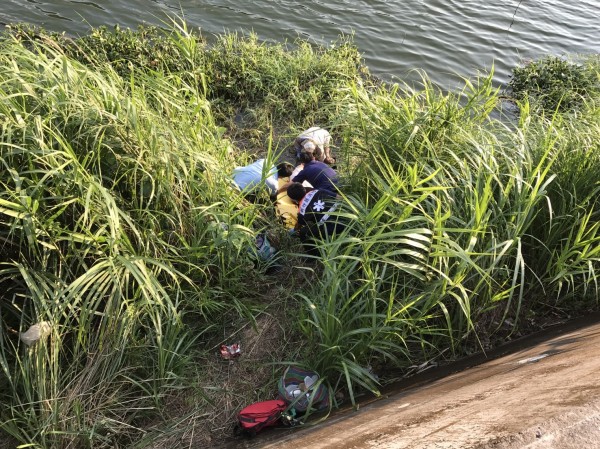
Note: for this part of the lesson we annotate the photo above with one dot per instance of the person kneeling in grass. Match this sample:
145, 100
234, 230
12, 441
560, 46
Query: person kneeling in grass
318, 174
316, 213
317, 140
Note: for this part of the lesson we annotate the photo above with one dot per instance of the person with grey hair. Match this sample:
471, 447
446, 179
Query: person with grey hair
317, 141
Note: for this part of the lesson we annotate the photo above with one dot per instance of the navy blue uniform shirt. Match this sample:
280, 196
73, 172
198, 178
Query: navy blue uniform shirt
320, 175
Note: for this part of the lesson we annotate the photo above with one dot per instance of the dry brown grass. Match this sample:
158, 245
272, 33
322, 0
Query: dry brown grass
204, 415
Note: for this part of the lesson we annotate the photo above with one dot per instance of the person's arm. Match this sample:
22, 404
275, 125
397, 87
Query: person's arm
328, 158
327, 150
300, 222
272, 184
299, 177
283, 188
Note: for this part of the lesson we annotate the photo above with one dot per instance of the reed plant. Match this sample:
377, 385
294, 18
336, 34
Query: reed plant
121, 233
117, 219
459, 224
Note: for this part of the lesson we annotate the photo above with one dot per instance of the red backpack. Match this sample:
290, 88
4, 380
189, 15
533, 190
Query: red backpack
255, 417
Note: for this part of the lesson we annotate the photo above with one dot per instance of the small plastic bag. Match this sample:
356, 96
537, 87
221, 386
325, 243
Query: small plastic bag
230, 352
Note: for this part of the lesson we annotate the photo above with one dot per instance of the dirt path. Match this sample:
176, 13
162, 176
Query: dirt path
542, 396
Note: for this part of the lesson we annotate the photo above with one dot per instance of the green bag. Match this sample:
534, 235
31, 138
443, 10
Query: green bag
302, 389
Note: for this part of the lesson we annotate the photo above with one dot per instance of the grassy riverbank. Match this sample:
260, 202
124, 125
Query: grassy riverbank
120, 230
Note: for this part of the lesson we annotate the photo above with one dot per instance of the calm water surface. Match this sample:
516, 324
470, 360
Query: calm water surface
445, 38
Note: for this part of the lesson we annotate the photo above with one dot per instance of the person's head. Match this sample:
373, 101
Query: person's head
309, 146
285, 169
296, 191
307, 153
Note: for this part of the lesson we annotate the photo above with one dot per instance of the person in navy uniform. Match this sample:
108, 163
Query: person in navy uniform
316, 173
317, 216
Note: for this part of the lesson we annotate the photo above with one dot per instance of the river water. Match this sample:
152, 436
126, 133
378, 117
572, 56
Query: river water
445, 38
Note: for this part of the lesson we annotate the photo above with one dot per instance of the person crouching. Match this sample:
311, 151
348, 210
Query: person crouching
316, 213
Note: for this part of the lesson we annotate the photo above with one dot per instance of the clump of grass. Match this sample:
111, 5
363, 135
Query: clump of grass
286, 82
116, 219
146, 48
459, 223
556, 83
252, 85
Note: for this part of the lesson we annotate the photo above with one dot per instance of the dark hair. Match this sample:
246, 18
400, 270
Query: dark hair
285, 169
306, 156
296, 191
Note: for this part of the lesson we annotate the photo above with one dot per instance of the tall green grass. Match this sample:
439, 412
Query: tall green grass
460, 223
119, 226
255, 88
117, 219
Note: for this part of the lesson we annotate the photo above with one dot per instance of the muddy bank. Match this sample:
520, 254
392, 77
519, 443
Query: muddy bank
540, 391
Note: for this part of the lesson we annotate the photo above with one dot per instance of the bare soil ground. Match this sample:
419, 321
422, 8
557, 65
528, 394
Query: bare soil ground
544, 392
